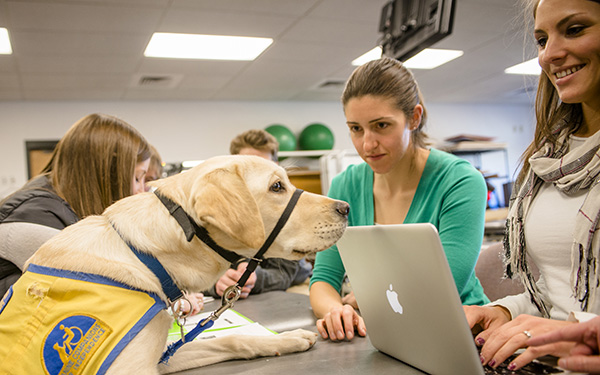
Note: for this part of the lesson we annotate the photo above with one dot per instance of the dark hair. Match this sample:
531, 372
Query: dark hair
390, 79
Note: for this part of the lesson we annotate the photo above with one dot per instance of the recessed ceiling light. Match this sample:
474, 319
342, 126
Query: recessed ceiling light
529, 67
5, 48
209, 47
431, 58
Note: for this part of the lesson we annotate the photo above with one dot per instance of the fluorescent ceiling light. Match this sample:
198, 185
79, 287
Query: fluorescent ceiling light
427, 59
210, 47
529, 67
373, 54
5, 48
431, 58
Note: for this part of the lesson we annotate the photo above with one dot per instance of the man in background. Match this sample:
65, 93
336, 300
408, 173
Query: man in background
273, 273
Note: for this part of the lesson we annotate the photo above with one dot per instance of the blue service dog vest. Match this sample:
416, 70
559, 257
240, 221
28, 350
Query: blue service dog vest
62, 322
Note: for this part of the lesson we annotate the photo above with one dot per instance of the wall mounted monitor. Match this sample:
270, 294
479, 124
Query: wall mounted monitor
409, 26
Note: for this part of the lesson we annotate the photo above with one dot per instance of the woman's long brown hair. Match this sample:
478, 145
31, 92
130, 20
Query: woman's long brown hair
93, 164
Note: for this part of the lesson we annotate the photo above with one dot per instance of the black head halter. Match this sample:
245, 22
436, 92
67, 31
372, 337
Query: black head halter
191, 228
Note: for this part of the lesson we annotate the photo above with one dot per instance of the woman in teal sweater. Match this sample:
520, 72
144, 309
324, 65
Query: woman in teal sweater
401, 181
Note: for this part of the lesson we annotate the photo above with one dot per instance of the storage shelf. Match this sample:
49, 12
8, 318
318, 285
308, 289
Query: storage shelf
475, 150
302, 153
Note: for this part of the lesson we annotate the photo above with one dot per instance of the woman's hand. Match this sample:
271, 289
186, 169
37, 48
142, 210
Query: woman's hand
584, 354
505, 340
232, 276
485, 319
349, 299
190, 304
340, 323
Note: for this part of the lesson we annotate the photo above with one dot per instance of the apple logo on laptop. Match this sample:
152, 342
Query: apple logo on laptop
392, 297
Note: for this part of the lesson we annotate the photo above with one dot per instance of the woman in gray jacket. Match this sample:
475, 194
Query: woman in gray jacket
100, 160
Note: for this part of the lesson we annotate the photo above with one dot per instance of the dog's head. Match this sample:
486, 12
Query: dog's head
239, 199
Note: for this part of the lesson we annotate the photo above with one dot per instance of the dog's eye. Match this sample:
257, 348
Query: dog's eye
277, 187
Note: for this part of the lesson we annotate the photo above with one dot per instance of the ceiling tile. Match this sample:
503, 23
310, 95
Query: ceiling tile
83, 17
63, 43
93, 49
79, 65
224, 23
273, 7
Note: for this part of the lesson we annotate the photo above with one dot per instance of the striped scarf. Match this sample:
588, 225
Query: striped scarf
569, 171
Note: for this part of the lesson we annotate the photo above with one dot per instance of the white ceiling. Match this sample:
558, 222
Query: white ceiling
93, 50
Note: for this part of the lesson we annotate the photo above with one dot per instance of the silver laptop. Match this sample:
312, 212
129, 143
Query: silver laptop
407, 297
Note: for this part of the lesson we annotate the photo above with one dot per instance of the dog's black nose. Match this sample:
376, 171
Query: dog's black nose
342, 208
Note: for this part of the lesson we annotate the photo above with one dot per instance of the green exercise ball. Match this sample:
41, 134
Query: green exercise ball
316, 137
285, 137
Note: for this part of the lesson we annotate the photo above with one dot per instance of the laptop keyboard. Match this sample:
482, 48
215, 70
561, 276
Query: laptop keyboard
532, 368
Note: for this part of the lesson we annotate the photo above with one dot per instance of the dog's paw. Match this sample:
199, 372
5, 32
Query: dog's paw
199, 353
302, 333
298, 340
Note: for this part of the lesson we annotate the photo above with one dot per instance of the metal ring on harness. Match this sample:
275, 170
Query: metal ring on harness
177, 308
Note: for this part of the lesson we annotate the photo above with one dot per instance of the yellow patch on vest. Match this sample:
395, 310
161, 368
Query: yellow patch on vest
72, 342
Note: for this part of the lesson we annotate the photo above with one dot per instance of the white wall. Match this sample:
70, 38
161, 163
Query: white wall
198, 130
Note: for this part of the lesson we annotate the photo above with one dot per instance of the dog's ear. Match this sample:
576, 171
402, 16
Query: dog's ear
223, 199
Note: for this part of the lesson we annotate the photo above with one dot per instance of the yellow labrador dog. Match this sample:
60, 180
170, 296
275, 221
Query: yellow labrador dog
87, 304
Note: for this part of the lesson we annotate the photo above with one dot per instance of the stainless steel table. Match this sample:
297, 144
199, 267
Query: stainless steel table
281, 311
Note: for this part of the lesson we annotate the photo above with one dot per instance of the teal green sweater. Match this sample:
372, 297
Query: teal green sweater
451, 195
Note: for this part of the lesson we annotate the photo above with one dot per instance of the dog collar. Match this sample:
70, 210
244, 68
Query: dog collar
190, 228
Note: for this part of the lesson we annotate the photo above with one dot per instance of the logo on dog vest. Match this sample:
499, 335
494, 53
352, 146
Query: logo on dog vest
71, 343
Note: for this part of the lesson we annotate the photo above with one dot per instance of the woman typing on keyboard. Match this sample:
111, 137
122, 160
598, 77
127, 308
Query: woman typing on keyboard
555, 207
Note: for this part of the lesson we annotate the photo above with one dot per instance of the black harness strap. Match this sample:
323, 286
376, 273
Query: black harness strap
203, 235
179, 214
280, 223
190, 228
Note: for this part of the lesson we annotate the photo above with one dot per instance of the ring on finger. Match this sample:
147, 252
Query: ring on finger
527, 333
